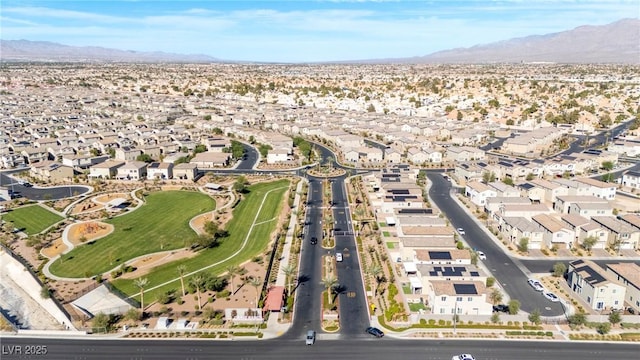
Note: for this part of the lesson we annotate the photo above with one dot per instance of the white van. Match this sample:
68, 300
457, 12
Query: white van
311, 337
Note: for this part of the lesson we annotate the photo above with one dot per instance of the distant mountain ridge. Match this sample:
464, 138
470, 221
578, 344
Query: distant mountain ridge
45, 51
617, 43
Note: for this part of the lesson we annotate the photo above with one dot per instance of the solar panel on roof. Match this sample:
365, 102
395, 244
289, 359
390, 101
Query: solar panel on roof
474, 273
415, 211
433, 273
439, 255
465, 289
399, 191
437, 268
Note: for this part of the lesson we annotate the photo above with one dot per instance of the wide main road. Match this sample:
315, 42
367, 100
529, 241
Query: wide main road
369, 348
509, 272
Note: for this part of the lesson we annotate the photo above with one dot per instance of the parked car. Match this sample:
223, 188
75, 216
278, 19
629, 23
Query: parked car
461, 231
311, 337
536, 285
551, 296
481, 255
463, 357
314, 240
339, 257
374, 331
501, 308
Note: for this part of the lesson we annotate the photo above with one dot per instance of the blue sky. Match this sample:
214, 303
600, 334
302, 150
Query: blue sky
297, 30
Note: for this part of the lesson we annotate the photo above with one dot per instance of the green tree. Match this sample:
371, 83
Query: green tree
589, 242
607, 165
495, 318
577, 319
604, 328
559, 269
211, 228
241, 184
534, 317
488, 176
514, 307
371, 108
615, 317
141, 283
200, 148
490, 281
264, 149
102, 321
523, 244
133, 315
45, 292
144, 157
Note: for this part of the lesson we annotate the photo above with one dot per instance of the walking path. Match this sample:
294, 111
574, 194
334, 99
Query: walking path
276, 328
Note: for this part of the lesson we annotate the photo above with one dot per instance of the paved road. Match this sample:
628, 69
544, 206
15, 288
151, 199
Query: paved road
309, 289
41, 193
251, 158
509, 272
369, 348
354, 315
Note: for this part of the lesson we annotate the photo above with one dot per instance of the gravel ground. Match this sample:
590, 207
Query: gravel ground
16, 303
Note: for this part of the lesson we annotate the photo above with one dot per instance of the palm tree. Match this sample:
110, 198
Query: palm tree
256, 282
141, 283
329, 283
232, 271
198, 282
375, 270
289, 271
182, 269
495, 296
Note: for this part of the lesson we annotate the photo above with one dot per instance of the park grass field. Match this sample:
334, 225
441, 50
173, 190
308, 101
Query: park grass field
33, 219
223, 255
162, 223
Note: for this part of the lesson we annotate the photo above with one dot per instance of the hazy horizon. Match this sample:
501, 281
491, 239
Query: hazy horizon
299, 31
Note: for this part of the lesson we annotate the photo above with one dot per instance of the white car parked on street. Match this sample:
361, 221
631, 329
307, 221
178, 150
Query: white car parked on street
536, 285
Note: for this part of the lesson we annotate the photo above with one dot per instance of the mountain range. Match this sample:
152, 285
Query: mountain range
617, 43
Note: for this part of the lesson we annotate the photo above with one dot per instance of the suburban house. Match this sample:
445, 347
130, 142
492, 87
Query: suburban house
628, 274
458, 297
597, 287
621, 234
555, 232
132, 170
105, 170
208, 160
161, 171
185, 171
51, 171
478, 192
599, 188
631, 179
278, 155
126, 153
514, 229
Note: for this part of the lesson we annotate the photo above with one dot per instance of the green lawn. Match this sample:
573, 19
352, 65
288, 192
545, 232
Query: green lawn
386, 234
162, 223
33, 218
391, 245
238, 228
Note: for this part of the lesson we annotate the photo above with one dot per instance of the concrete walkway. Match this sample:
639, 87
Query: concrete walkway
274, 327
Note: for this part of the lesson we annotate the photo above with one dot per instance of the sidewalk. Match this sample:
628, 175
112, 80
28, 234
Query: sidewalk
274, 327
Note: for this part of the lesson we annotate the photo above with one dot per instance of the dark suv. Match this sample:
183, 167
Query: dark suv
375, 332
314, 240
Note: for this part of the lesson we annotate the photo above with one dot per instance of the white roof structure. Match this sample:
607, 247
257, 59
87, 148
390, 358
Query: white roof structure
101, 300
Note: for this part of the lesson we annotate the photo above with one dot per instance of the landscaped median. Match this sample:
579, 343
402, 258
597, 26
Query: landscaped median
162, 223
